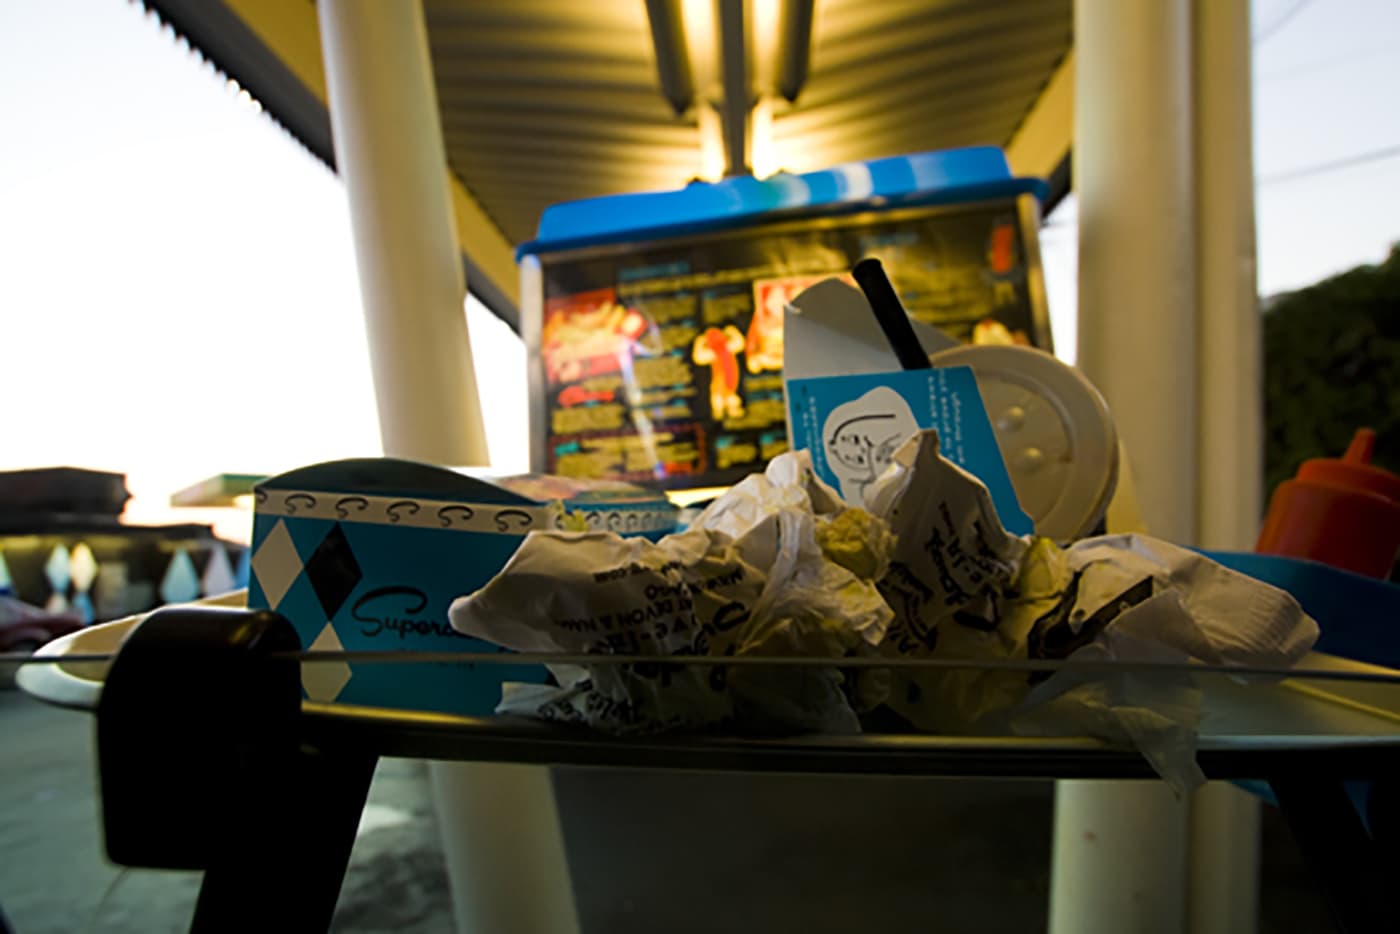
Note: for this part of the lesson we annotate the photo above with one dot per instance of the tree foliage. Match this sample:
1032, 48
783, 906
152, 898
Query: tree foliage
1332, 365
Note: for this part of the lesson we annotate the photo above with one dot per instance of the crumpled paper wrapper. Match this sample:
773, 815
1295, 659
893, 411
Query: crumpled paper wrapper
748, 578
963, 588
781, 566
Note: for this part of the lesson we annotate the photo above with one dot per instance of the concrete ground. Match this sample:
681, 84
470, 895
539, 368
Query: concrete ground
54, 878
836, 854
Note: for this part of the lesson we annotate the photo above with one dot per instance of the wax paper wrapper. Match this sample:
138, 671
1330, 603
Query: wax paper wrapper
963, 588
1133, 598
751, 576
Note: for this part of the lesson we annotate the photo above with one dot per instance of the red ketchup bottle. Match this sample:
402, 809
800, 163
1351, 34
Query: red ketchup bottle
1345, 513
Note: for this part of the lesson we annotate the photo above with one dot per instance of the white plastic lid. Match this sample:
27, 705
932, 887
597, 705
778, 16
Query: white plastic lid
1055, 432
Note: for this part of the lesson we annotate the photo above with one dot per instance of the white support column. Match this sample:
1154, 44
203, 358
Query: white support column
1231, 405
1120, 848
504, 848
501, 832
389, 152
1118, 861
1224, 871
1224, 880
1133, 175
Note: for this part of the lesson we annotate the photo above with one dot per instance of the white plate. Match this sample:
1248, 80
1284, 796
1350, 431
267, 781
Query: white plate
79, 684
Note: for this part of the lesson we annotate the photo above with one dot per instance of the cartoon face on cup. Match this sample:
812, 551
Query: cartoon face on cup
862, 435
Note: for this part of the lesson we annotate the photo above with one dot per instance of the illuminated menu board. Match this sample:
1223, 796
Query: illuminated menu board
661, 363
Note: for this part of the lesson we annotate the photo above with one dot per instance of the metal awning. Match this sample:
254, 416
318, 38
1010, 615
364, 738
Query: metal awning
550, 100
545, 101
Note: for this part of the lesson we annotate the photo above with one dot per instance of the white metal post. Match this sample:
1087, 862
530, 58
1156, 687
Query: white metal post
1133, 176
1119, 859
504, 847
500, 828
1231, 407
1118, 863
389, 152
1224, 870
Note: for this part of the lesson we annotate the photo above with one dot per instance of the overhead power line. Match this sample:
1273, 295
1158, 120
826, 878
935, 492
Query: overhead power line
1306, 68
1283, 20
1375, 155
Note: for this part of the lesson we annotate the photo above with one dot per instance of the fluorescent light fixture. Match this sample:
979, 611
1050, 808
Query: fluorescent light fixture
736, 76
711, 143
673, 67
701, 36
763, 155
730, 60
794, 52
765, 23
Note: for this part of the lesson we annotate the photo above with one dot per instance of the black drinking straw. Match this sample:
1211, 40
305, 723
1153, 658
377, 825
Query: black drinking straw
893, 319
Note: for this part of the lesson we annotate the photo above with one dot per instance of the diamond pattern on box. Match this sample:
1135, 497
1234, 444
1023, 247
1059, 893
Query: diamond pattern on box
323, 681
313, 570
56, 570
277, 564
82, 567
181, 581
218, 574
333, 571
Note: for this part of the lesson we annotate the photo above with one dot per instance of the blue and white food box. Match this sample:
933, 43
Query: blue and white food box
852, 425
367, 556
